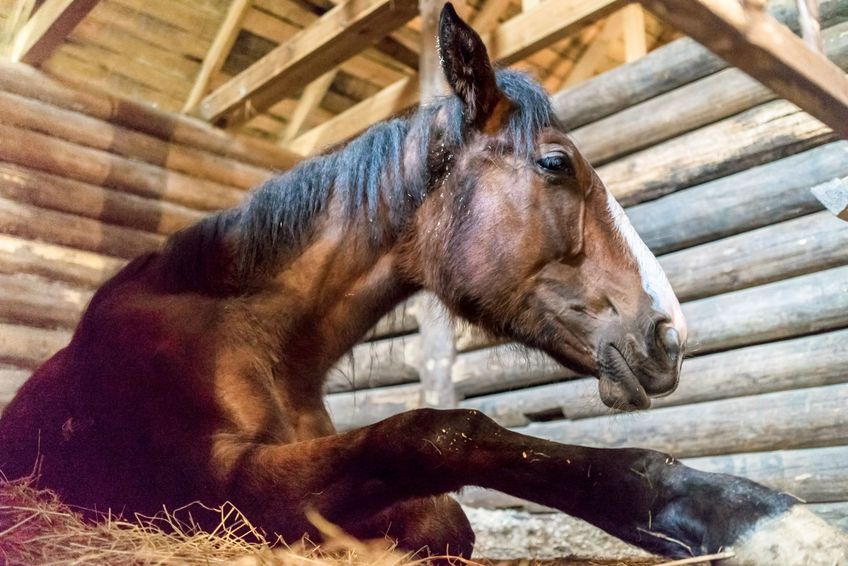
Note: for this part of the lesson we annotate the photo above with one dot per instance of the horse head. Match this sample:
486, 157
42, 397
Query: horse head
521, 236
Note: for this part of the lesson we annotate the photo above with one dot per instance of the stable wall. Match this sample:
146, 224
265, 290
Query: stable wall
715, 174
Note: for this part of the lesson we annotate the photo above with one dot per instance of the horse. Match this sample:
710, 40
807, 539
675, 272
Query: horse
196, 372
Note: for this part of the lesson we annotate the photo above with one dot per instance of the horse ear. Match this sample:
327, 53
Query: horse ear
466, 65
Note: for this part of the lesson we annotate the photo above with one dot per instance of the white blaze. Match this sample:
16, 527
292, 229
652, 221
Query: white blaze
654, 281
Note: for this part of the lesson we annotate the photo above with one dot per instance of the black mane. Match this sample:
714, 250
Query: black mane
383, 175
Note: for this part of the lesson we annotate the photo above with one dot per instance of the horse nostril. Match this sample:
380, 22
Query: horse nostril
669, 341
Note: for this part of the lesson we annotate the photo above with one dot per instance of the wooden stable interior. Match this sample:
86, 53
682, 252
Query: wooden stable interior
99, 164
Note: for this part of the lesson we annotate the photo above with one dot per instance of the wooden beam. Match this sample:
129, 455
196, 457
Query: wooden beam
486, 19
48, 28
591, 59
510, 42
808, 18
311, 99
18, 16
768, 51
345, 30
221, 46
633, 32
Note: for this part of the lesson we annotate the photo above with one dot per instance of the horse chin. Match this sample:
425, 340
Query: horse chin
618, 386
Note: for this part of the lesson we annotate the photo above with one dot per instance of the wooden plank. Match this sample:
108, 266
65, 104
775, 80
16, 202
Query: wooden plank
33, 223
834, 196
350, 410
650, 76
497, 369
805, 418
756, 43
815, 475
28, 347
92, 132
311, 99
508, 43
25, 81
591, 60
48, 28
33, 301
486, 19
633, 32
58, 263
346, 29
743, 201
696, 104
764, 133
801, 305
53, 192
403, 319
53, 155
787, 249
808, 19
218, 51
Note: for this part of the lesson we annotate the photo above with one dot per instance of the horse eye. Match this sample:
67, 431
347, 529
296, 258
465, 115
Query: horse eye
555, 163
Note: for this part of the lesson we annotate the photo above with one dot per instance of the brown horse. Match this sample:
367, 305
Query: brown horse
196, 373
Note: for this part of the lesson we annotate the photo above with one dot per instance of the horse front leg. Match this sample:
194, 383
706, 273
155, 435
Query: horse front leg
642, 496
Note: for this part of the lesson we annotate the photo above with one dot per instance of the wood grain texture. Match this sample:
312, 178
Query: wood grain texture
804, 418
756, 43
750, 199
762, 134
28, 347
347, 29
47, 29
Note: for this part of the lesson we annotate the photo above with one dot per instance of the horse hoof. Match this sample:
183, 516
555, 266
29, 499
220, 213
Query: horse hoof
794, 538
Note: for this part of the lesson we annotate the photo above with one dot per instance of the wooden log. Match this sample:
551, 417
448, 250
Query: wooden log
33, 301
375, 364
743, 201
505, 367
696, 104
52, 155
58, 263
11, 379
662, 70
28, 347
31, 83
343, 31
801, 305
755, 42
29, 222
44, 190
816, 475
805, 418
764, 133
786, 249
92, 132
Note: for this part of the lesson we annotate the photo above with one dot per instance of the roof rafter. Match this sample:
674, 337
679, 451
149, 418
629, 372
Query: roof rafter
347, 29
758, 44
510, 42
47, 29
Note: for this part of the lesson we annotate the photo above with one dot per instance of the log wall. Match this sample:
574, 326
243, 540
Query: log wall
715, 173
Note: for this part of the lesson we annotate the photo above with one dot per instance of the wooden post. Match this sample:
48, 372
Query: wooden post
808, 18
218, 52
438, 350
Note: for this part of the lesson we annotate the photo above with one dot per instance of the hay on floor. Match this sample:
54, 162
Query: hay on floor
37, 529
